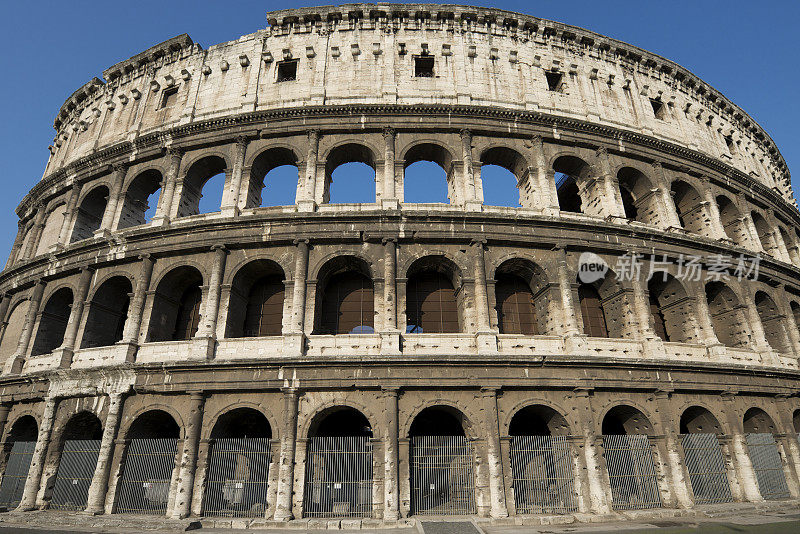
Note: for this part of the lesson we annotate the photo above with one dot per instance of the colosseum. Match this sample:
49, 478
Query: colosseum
366, 363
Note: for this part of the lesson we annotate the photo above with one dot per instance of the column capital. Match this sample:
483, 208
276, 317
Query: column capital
386, 240
120, 167
313, 134
537, 140
601, 152
477, 242
388, 391
175, 151
145, 256
303, 241
242, 141
217, 248
657, 165
389, 133
465, 133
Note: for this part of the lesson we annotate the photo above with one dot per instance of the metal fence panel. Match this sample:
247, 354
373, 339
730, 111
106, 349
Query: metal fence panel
146, 476
74, 475
238, 472
706, 466
544, 475
19, 462
442, 478
631, 471
763, 451
338, 477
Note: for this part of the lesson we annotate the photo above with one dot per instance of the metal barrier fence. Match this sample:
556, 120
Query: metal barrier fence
706, 466
74, 475
631, 472
763, 452
19, 462
146, 476
338, 477
442, 478
544, 475
238, 473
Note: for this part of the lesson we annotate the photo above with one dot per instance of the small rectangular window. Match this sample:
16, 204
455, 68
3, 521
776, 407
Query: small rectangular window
287, 70
169, 97
658, 108
423, 66
554, 80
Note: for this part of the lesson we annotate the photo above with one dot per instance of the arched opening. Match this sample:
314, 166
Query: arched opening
432, 301
274, 176
90, 214
574, 195
772, 320
671, 309
763, 450
108, 311
13, 330
501, 171
255, 308
80, 448
51, 231
592, 312
53, 322
757, 421
238, 466
17, 455
442, 460
515, 307
141, 199
428, 175
691, 211
542, 462
629, 459
790, 248
638, 199
795, 307
345, 298
796, 421
203, 187
350, 175
176, 306
703, 456
513, 315
148, 465
732, 221
765, 235
727, 318
339, 467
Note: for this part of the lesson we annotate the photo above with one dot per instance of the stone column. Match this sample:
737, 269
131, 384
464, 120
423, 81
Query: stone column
390, 335
781, 244
133, 324
713, 213
709, 337
99, 485
306, 198
114, 197
756, 328
17, 360
486, 338
36, 232
469, 193
28, 500
495, 460
678, 475
544, 178
12, 256
5, 303
574, 338
4, 411
654, 345
168, 186
613, 206
283, 506
294, 341
594, 479
67, 348
389, 200
183, 496
755, 239
791, 446
391, 460
741, 460
791, 322
69, 214
205, 338
671, 219
230, 201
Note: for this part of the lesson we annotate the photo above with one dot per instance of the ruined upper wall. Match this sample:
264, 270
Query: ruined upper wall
364, 53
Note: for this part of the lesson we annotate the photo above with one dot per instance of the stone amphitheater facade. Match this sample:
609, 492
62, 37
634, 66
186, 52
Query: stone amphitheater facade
448, 353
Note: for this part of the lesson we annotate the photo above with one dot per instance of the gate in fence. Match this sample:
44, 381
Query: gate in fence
238, 472
544, 475
74, 475
763, 452
631, 472
442, 477
338, 477
706, 466
146, 476
19, 462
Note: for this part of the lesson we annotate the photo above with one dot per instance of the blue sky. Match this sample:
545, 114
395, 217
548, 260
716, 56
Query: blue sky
747, 50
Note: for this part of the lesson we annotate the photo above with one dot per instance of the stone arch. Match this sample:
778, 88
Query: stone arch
242, 422
176, 303
84, 424
794, 258
512, 162
796, 421
345, 297
108, 311
195, 178
727, 318
765, 235
13, 330
51, 232
699, 420
267, 160
605, 308
256, 303
154, 422
53, 322
528, 284
440, 419
538, 420
274, 429
732, 222
793, 306
626, 419
672, 309
434, 297
638, 197
89, 216
425, 150
689, 206
575, 192
344, 153
24, 428
141, 198
339, 420
772, 320
757, 421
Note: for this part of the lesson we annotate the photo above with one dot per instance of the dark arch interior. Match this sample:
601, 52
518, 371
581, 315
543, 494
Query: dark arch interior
90, 214
592, 312
84, 425
438, 421
515, 305
426, 174
256, 301
200, 196
155, 424
350, 174
340, 422
53, 322
756, 421
698, 420
688, 204
626, 420
176, 305
347, 304
242, 423
273, 179
796, 420
501, 171
24, 429
569, 170
141, 199
538, 420
108, 311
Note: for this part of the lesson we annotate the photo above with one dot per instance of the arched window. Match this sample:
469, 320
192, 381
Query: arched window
348, 305
53, 322
772, 321
690, 209
570, 173
594, 318
176, 306
90, 214
274, 177
671, 309
108, 312
52, 230
638, 200
729, 323
431, 304
13, 330
188, 318
732, 221
264, 315
350, 175
79, 450
427, 175
502, 169
203, 187
141, 199
765, 235
515, 309
659, 324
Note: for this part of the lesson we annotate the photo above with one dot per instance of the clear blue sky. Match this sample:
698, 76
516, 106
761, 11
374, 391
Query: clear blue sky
747, 50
